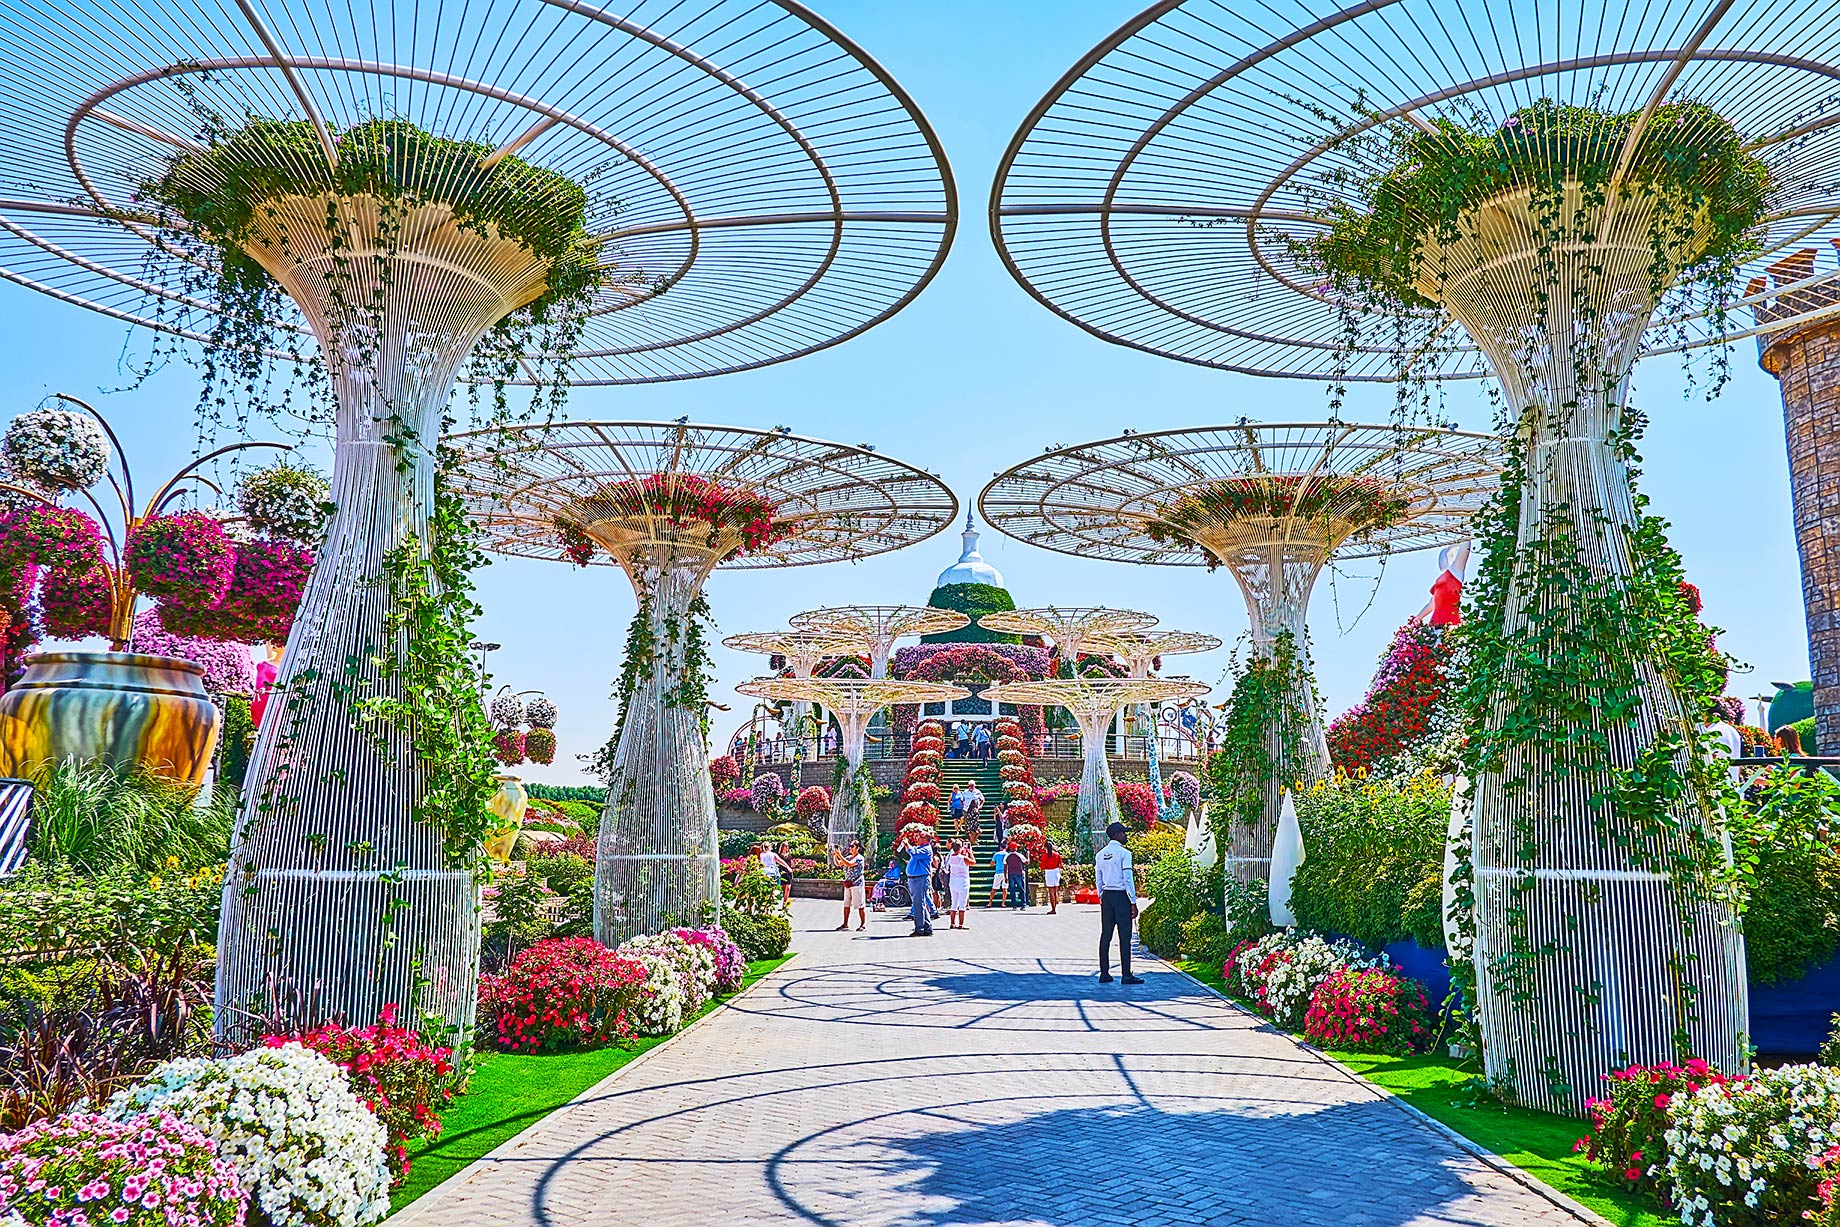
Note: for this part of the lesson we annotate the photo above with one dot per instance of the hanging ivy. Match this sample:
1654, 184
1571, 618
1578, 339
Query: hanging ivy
1261, 736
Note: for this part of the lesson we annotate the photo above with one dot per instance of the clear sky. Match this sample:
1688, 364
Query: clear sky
974, 376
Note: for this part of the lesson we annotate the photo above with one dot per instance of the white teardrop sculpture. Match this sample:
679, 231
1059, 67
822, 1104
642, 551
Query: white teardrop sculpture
1456, 841
1200, 838
1286, 856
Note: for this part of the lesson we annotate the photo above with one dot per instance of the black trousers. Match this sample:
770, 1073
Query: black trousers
1114, 913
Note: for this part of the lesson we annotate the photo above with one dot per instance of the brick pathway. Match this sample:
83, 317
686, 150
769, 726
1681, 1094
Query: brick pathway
980, 1077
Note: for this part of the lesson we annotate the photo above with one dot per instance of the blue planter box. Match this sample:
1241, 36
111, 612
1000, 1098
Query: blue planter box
1426, 966
1792, 1017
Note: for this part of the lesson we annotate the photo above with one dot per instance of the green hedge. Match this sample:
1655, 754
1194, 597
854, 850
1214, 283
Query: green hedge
975, 600
1374, 859
1792, 920
578, 792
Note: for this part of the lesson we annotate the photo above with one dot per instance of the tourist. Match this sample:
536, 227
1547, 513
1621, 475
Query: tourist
919, 879
939, 881
996, 876
956, 807
769, 862
958, 870
975, 800
980, 742
1050, 862
852, 864
1003, 823
961, 736
1016, 872
1117, 885
784, 856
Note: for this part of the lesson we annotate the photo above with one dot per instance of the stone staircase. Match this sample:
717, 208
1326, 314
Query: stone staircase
954, 773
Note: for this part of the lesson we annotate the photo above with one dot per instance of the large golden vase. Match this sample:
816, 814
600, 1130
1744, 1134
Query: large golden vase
124, 709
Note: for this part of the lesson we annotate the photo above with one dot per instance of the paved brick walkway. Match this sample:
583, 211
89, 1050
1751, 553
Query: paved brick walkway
980, 1077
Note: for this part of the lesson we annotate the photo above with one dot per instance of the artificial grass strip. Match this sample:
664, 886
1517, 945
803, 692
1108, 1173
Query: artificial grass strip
511, 1091
1539, 1143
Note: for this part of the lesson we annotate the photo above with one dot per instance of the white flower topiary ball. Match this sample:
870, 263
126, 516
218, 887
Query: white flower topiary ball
57, 449
286, 500
540, 713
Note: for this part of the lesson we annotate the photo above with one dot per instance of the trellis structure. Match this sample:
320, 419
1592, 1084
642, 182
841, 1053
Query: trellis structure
1075, 629
803, 652
853, 701
757, 188
1180, 204
1094, 702
1141, 651
533, 488
1273, 504
880, 626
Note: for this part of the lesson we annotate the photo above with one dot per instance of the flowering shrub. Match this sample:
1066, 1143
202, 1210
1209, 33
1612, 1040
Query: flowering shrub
925, 791
146, 1171
917, 833
919, 812
923, 773
1060, 790
561, 993
186, 556
1281, 971
724, 772
813, 803
926, 758
768, 791
1137, 803
1019, 790
936, 744
1009, 743
1369, 1010
38, 535
694, 965
1184, 789
730, 964
228, 667
310, 1154
59, 449
404, 1080
1628, 1127
1400, 710
1012, 758
508, 747
1024, 812
1750, 1151
736, 798
658, 1002
286, 500
540, 746
76, 606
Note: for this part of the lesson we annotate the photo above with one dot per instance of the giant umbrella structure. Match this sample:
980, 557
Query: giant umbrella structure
398, 198
853, 701
879, 626
1379, 193
1273, 504
668, 504
1094, 702
803, 652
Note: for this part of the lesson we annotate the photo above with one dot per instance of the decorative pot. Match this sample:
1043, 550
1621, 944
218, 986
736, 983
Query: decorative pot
511, 802
127, 710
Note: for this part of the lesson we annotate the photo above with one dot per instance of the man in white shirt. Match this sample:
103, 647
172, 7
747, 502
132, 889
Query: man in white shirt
1117, 885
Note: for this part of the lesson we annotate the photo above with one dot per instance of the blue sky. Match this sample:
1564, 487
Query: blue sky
975, 376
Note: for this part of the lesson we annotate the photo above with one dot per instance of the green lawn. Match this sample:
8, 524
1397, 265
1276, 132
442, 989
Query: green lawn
1538, 1143
509, 1092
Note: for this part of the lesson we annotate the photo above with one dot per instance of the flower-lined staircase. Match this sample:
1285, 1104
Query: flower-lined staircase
954, 774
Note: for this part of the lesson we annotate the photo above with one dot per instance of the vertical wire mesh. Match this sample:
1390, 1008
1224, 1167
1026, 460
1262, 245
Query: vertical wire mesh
657, 862
338, 901
1635, 965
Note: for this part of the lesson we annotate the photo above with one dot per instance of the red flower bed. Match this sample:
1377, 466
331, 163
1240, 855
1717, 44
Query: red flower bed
1627, 1127
1369, 1010
813, 802
403, 1079
724, 772
566, 992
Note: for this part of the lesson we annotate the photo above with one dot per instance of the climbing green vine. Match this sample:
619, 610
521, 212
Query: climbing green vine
1261, 736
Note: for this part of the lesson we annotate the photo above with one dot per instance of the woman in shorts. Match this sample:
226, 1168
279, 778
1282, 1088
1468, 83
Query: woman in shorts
1051, 877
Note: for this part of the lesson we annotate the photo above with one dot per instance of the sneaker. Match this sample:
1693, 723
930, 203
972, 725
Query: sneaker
1105, 979
1133, 980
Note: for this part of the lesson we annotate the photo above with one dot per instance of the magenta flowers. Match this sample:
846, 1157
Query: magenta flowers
187, 556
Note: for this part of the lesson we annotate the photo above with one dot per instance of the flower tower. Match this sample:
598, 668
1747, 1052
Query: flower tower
669, 504
1273, 504
1465, 203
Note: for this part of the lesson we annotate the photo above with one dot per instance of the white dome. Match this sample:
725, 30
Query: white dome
970, 567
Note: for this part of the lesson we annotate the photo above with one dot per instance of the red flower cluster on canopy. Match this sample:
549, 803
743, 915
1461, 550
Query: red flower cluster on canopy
683, 499
1397, 714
